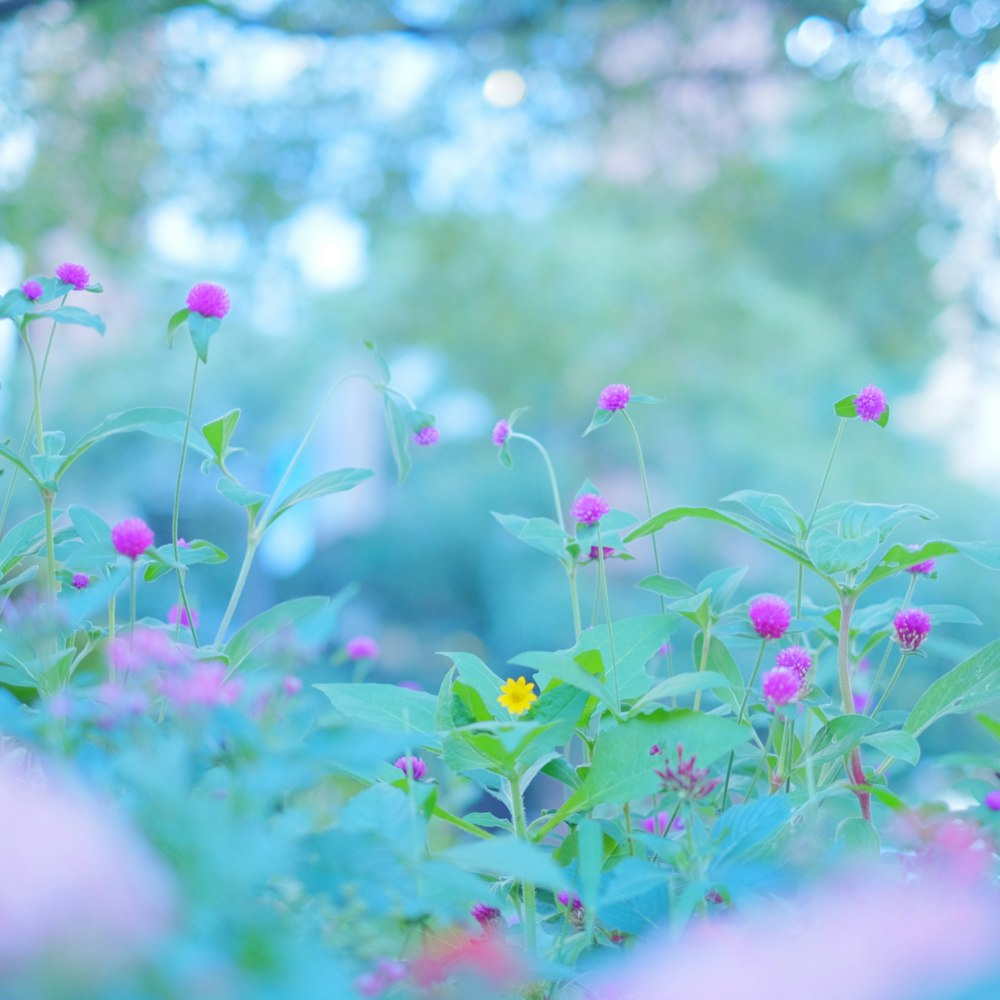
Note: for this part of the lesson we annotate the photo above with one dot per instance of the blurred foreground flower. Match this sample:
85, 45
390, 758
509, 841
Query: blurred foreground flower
80, 892
929, 940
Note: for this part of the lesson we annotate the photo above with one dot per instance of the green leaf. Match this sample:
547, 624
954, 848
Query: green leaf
71, 315
770, 508
12, 456
600, 418
478, 676
722, 583
202, 328
992, 726
399, 435
838, 736
14, 304
91, 527
508, 857
387, 707
899, 557
846, 407
974, 682
668, 586
896, 744
158, 421
564, 667
338, 481
175, 321
379, 361
744, 830
264, 627
831, 554
681, 684
854, 520
219, 432
22, 540
252, 500
539, 532
198, 551
859, 838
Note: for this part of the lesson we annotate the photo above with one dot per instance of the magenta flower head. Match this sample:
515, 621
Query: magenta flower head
208, 299
588, 508
32, 290
870, 403
596, 553
992, 800
912, 627
177, 613
658, 824
80, 580
614, 397
796, 659
73, 274
413, 767
362, 647
925, 567
688, 781
860, 702
486, 916
427, 436
781, 686
291, 685
131, 537
770, 616
501, 432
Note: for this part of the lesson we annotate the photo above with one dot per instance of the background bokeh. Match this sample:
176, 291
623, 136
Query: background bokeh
747, 208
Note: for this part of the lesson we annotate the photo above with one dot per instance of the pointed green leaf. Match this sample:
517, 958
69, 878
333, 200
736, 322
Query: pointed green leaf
338, 481
831, 554
539, 532
770, 508
219, 432
176, 320
379, 361
681, 684
252, 500
600, 418
399, 436
71, 315
202, 329
264, 627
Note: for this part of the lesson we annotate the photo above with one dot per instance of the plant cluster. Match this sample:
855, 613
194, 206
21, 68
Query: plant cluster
226, 818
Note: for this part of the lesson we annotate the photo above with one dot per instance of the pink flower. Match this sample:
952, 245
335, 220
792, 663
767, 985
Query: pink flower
427, 436
860, 702
588, 508
770, 616
781, 686
501, 432
362, 647
142, 650
131, 537
992, 800
870, 403
413, 767
177, 612
563, 898
686, 780
614, 397
32, 289
73, 274
486, 916
796, 659
658, 824
208, 300
292, 685
204, 686
595, 553
80, 890
80, 580
912, 627
925, 567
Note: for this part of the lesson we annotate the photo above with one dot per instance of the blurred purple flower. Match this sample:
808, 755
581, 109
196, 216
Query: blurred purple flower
501, 432
413, 767
32, 290
427, 436
870, 403
588, 508
992, 800
362, 647
73, 274
208, 299
177, 612
923, 568
614, 397
658, 824
80, 580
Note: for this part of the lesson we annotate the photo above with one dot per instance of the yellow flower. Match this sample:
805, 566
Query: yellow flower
517, 695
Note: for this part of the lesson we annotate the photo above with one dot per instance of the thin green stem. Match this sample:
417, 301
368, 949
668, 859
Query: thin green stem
553, 484
252, 542
703, 662
527, 888
574, 601
739, 719
645, 493
602, 583
855, 771
888, 646
48, 500
175, 520
131, 600
890, 685
627, 815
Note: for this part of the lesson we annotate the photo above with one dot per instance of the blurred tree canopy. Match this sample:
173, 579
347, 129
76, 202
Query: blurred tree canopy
745, 207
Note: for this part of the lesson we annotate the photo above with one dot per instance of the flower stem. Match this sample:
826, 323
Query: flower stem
645, 493
131, 600
602, 583
48, 499
890, 685
855, 772
739, 719
175, 521
527, 888
252, 542
888, 645
553, 484
703, 663
574, 601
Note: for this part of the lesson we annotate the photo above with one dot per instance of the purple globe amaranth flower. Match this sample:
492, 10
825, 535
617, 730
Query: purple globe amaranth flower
177, 613
208, 299
595, 553
486, 916
770, 616
870, 403
501, 432
912, 626
413, 767
361, 647
658, 824
291, 685
73, 274
614, 397
781, 686
796, 658
80, 580
688, 781
925, 567
588, 508
860, 702
32, 290
563, 898
132, 537
992, 800
427, 436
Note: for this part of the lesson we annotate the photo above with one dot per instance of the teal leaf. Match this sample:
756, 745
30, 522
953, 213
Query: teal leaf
399, 435
259, 631
338, 481
508, 857
681, 684
387, 707
22, 540
71, 315
854, 520
176, 321
831, 554
896, 744
974, 682
219, 432
600, 418
668, 586
770, 508
202, 329
539, 532
252, 500
380, 362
